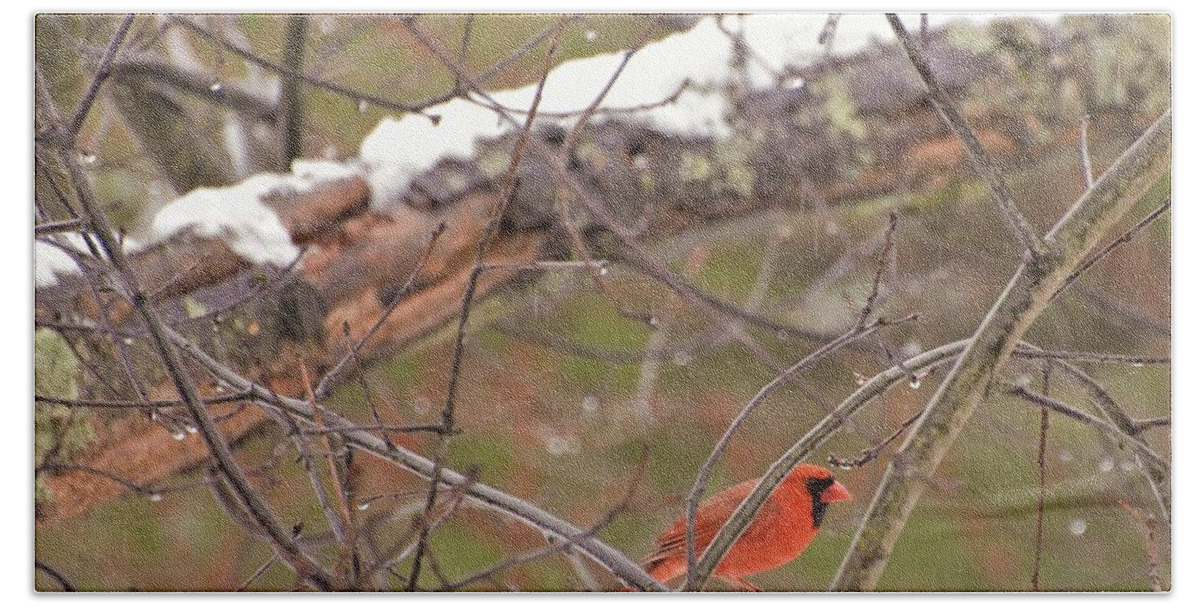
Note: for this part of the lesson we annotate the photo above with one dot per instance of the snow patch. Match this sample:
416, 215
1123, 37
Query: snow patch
399, 149
49, 262
238, 215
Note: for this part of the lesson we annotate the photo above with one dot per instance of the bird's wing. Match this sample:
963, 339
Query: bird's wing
711, 515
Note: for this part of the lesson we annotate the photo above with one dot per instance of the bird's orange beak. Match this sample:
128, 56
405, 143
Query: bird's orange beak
835, 493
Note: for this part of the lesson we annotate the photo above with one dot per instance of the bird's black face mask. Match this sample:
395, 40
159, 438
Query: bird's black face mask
817, 487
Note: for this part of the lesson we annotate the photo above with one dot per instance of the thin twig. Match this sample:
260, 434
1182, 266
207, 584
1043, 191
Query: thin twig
54, 574
308, 462
362, 96
102, 72
872, 452
1117, 311
421, 525
1085, 157
885, 252
127, 483
1158, 466
979, 156
357, 95
259, 572
48, 228
1090, 357
333, 375
825, 38
1151, 525
1121, 240
152, 404
605, 111
1043, 430
566, 543
381, 428
462, 47
363, 385
1150, 423
552, 265
280, 278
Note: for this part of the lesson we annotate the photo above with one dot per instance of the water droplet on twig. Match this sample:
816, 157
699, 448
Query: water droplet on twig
215, 87
1077, 527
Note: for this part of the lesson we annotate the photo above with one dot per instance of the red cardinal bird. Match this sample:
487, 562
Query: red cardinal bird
781, 531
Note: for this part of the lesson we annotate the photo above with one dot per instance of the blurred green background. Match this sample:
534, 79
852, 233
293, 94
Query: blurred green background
563, 430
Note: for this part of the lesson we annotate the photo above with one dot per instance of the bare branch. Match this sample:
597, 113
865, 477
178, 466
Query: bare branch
360, 96
54, 574
102, 72
49, 228
885, 251
1028, 293
1080, 357
979, 156
1150, 523
1043, 431
871, 453
1121, 240
149, 404
1158, 466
